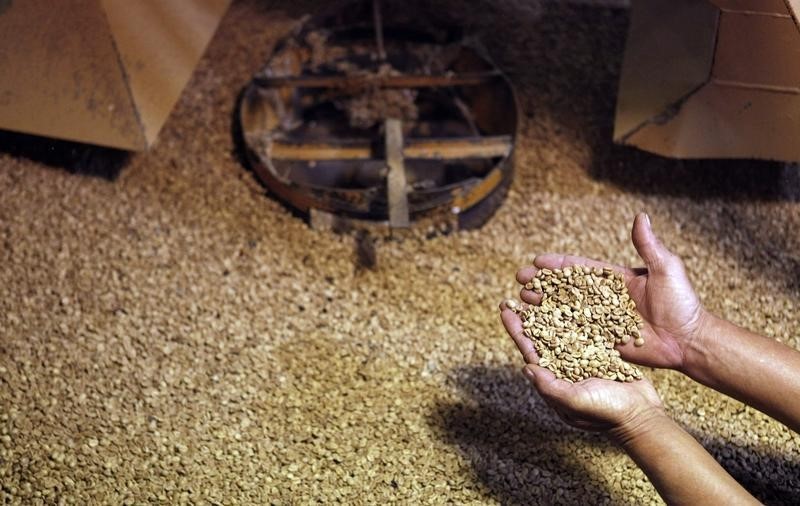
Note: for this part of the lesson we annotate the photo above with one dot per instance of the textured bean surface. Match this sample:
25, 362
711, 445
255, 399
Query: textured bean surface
172, 335
583, 314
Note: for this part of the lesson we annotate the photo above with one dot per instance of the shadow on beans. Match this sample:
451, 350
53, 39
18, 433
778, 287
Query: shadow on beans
773, 479
73, 157
518, 449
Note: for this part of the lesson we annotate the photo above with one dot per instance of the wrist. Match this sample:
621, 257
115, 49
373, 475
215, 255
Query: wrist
644, 422
695, 351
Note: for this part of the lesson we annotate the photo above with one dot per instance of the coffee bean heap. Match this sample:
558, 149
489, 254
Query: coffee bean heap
583, 314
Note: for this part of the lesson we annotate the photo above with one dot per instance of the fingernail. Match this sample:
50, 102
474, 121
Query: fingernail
647, 218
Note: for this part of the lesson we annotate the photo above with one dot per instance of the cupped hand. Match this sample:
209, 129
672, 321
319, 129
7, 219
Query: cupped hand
662, 292
594, 404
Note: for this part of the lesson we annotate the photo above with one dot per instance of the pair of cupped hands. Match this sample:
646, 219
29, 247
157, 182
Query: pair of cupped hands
673, 319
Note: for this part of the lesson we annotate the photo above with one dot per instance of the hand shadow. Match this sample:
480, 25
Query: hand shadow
517, 446
523, 454
772, 479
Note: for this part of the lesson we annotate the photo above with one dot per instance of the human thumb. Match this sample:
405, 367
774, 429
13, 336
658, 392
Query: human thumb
654, 254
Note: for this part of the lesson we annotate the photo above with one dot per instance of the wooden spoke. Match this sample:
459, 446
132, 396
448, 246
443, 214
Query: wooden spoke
358, 82
396, 186
457, 148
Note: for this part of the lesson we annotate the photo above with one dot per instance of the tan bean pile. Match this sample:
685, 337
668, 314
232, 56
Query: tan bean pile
175, 336
584, 313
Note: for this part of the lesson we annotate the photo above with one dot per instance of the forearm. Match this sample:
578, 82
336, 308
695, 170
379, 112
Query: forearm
678, 466
754, 369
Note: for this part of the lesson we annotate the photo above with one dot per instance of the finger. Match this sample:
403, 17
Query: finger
526, 274
641, 356
503, 305
548, 386
654, 353
572, 420
583, 425
560, 412
530, 296
650, 249
555, 392
513, 325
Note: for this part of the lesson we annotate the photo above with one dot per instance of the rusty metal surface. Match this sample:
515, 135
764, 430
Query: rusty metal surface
347, 175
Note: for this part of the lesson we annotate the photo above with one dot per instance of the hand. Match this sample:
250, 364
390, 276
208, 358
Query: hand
594, 404
662, 292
